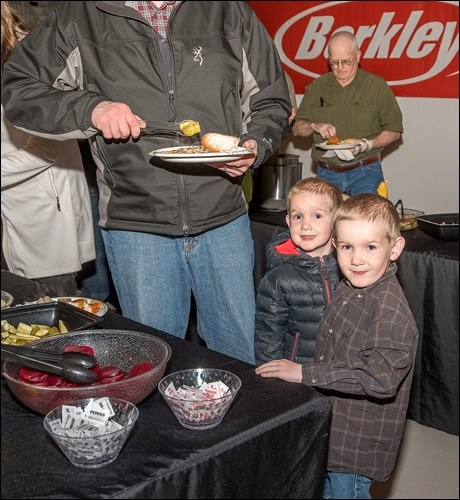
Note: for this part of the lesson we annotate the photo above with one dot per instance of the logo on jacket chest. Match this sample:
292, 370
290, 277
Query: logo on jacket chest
197, 55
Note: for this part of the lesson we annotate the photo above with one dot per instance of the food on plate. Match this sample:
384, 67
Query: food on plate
407, 222
350, 140
333, 140
189, 150
210, 143
219, 142
89, 305
24, 333
190, 127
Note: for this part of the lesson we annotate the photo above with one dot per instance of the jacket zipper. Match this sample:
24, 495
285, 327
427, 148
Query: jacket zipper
327, 289
170, 78
53, 185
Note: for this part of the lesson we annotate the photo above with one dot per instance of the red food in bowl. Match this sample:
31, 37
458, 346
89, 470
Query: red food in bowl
112, 348
105, 375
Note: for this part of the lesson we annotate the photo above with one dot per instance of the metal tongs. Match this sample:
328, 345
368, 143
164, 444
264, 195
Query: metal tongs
73, 366
185, 128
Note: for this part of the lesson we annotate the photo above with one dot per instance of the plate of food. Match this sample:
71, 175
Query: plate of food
408, 221
214, 148
93, 306
336, 143
199, 154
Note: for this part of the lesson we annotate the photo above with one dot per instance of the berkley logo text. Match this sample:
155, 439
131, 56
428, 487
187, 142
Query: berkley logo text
396, 35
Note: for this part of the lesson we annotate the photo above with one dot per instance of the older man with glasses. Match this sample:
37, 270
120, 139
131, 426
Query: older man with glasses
348, 102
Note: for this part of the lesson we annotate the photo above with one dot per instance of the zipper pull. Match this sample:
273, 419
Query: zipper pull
58, 203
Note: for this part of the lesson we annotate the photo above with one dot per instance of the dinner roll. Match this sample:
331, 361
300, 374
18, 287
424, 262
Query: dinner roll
219, 142
351, 140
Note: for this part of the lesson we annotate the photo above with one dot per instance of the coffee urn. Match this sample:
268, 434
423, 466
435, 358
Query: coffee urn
274, 179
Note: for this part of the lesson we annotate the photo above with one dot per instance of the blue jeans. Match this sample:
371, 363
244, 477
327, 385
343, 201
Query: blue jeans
154, 277
364, 179
94, 278
343, 485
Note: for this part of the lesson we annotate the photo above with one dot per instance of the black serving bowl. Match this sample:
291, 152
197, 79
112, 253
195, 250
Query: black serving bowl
441, 226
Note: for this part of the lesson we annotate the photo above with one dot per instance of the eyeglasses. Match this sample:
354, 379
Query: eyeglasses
343, 62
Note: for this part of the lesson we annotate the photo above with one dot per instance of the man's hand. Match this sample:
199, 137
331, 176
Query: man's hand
362, 146
116, 120
281, 368
303, 128
238, 167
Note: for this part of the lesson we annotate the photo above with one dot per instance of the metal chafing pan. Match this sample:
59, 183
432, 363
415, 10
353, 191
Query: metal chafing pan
441, 226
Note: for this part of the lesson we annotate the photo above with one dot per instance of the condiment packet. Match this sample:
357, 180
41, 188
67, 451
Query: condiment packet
92, 420
206, 392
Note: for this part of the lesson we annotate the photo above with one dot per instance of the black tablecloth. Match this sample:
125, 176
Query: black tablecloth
428, 270
271, 444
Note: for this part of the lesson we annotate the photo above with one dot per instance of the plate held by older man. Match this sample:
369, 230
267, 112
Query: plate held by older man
342, 145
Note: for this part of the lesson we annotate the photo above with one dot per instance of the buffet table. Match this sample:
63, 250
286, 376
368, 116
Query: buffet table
428, 270
271, 444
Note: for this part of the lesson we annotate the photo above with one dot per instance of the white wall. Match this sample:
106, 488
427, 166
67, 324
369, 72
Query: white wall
422, 168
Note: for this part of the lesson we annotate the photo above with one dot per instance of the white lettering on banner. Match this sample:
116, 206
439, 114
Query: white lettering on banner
415, 42
314, 39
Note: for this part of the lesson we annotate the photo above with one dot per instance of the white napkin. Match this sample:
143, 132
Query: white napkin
342, 154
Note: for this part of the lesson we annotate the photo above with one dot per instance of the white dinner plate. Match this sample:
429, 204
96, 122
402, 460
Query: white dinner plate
345, 145
86, 306
223, 156
88, 302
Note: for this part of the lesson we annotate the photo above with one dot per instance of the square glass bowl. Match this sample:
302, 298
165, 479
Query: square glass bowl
193, 406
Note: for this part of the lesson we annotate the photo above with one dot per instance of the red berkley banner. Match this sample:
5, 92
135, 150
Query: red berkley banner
413, 45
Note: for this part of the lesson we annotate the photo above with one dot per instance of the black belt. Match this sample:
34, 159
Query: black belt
345, 167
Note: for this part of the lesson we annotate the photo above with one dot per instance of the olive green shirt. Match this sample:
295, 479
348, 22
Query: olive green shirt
364, 108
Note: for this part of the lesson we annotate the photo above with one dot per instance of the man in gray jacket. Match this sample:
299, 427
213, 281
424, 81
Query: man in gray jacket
92, 70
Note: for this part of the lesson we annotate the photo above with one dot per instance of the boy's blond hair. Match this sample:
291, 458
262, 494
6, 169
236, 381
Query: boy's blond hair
372, 208
315, 185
